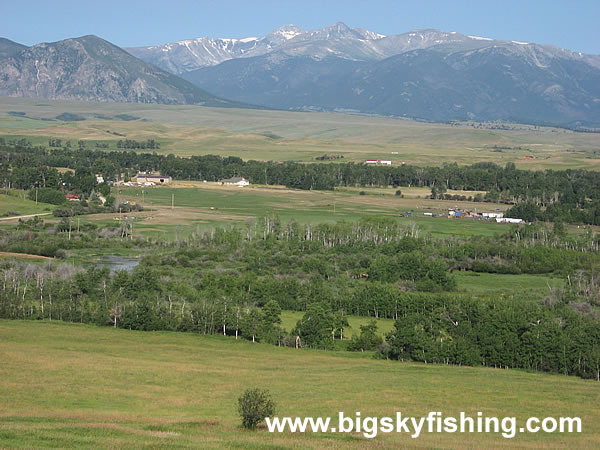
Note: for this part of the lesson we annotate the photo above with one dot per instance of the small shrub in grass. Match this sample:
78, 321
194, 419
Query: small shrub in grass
254, 405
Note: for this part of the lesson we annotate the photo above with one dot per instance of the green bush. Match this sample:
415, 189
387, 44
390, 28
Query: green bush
254, 405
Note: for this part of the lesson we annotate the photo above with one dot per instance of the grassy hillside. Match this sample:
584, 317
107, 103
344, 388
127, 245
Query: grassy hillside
83, 386
281, 135
16, 205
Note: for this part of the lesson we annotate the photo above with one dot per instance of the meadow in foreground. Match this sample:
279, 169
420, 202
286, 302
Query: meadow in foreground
67, 385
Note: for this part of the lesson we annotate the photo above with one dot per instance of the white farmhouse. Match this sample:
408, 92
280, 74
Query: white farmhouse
235, 181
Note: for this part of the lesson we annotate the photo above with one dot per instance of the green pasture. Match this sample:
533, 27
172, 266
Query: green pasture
16, 202
212, 206
506, 285
69, 385
384, 326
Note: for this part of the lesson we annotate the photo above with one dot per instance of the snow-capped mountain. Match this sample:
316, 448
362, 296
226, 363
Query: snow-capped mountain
425, 74
184, 56
355, 44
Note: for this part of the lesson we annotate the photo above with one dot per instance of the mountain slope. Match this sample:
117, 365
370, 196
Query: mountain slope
428, 74
513, 82
90, 68
10, 48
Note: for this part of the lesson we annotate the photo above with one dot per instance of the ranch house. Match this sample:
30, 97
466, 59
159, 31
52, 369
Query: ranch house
235, 181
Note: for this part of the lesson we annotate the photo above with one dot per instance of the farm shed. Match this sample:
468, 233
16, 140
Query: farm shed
143, 178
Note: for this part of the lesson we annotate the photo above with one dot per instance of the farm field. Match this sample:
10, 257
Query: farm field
203, 204
282, 135
200, 206
85, 386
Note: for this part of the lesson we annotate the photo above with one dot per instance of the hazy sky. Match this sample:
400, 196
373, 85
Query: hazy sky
571, 24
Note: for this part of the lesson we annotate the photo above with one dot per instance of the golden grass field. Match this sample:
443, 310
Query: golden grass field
283, 135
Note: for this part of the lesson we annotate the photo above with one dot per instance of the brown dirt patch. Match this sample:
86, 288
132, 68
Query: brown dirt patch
22, 255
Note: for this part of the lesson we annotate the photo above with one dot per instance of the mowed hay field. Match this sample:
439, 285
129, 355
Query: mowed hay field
67, 385
284, 135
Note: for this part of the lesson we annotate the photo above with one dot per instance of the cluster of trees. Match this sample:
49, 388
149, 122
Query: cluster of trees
501, 334
131, 144
47, 195
30, 176
569, 196
55, 143
137, 301
327, 157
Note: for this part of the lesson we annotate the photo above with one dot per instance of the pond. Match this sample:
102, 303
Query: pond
117, 263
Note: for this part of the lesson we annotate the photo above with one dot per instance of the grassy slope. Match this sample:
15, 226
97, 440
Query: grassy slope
11, 203
277, 135
68, 385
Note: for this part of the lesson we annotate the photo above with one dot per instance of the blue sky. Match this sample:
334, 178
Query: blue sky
574, 25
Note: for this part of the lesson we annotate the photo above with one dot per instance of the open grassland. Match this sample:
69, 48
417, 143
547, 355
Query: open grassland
283, 135
67, 385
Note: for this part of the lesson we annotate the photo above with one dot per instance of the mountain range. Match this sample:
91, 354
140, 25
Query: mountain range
423, 74
184, 56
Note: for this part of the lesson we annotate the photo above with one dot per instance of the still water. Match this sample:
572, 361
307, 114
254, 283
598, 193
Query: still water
116, 263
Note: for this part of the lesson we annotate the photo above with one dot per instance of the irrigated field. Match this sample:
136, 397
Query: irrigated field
281, 135
66, 385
